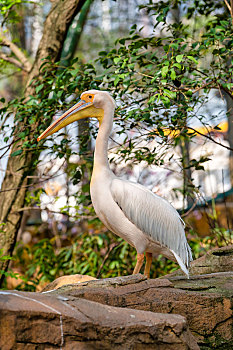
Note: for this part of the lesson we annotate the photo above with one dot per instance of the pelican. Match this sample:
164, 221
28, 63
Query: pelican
145, 220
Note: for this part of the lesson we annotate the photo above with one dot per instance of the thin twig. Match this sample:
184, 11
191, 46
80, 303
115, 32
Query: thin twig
55, 212
210, 138
227, 91
114, 245
7, 146
191, 209
30, 185
203, 86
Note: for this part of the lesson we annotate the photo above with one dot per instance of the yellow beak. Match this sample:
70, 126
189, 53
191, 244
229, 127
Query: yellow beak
80, 110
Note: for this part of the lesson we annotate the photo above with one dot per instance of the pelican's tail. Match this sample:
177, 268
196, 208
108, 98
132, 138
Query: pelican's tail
183, 266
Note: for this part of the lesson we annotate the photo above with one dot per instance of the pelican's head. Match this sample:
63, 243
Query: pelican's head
93, 103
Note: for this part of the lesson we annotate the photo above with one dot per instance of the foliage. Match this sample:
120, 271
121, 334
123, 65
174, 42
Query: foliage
8, 10
9, 272
99, 255
51, 91
8, 258
160, 77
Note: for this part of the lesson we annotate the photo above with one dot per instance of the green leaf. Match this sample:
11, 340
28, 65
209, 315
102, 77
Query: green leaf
116, 59
175, 46
152, 99
16, 153
102, 53
53, 272
160, 18
173, 74
191, 58
22, 135
189, 93
164, 71
124, 63
75, 72
229, 85
170, 94
179, 58
38, 88
177, 65
116, 81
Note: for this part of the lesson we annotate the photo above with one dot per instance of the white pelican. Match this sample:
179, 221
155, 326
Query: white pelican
146, 221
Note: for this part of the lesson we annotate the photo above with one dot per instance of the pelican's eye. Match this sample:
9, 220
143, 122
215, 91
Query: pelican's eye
88, 98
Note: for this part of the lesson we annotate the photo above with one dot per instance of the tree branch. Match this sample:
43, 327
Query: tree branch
230, 8
17, 52
12, 60
89, 217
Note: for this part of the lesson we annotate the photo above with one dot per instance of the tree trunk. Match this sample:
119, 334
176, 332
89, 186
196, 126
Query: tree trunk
68, 52
74, 34
55, 29
15, 182
187, 174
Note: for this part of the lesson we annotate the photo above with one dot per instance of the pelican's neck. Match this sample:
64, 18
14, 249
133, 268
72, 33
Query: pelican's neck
101, 147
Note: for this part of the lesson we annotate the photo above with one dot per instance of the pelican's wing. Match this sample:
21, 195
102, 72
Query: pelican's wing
153, 215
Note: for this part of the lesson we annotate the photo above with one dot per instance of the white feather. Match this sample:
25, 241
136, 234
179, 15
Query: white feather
154, 216
180, 262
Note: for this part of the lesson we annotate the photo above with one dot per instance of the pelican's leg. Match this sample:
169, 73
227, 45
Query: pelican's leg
140, 260
148, 264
